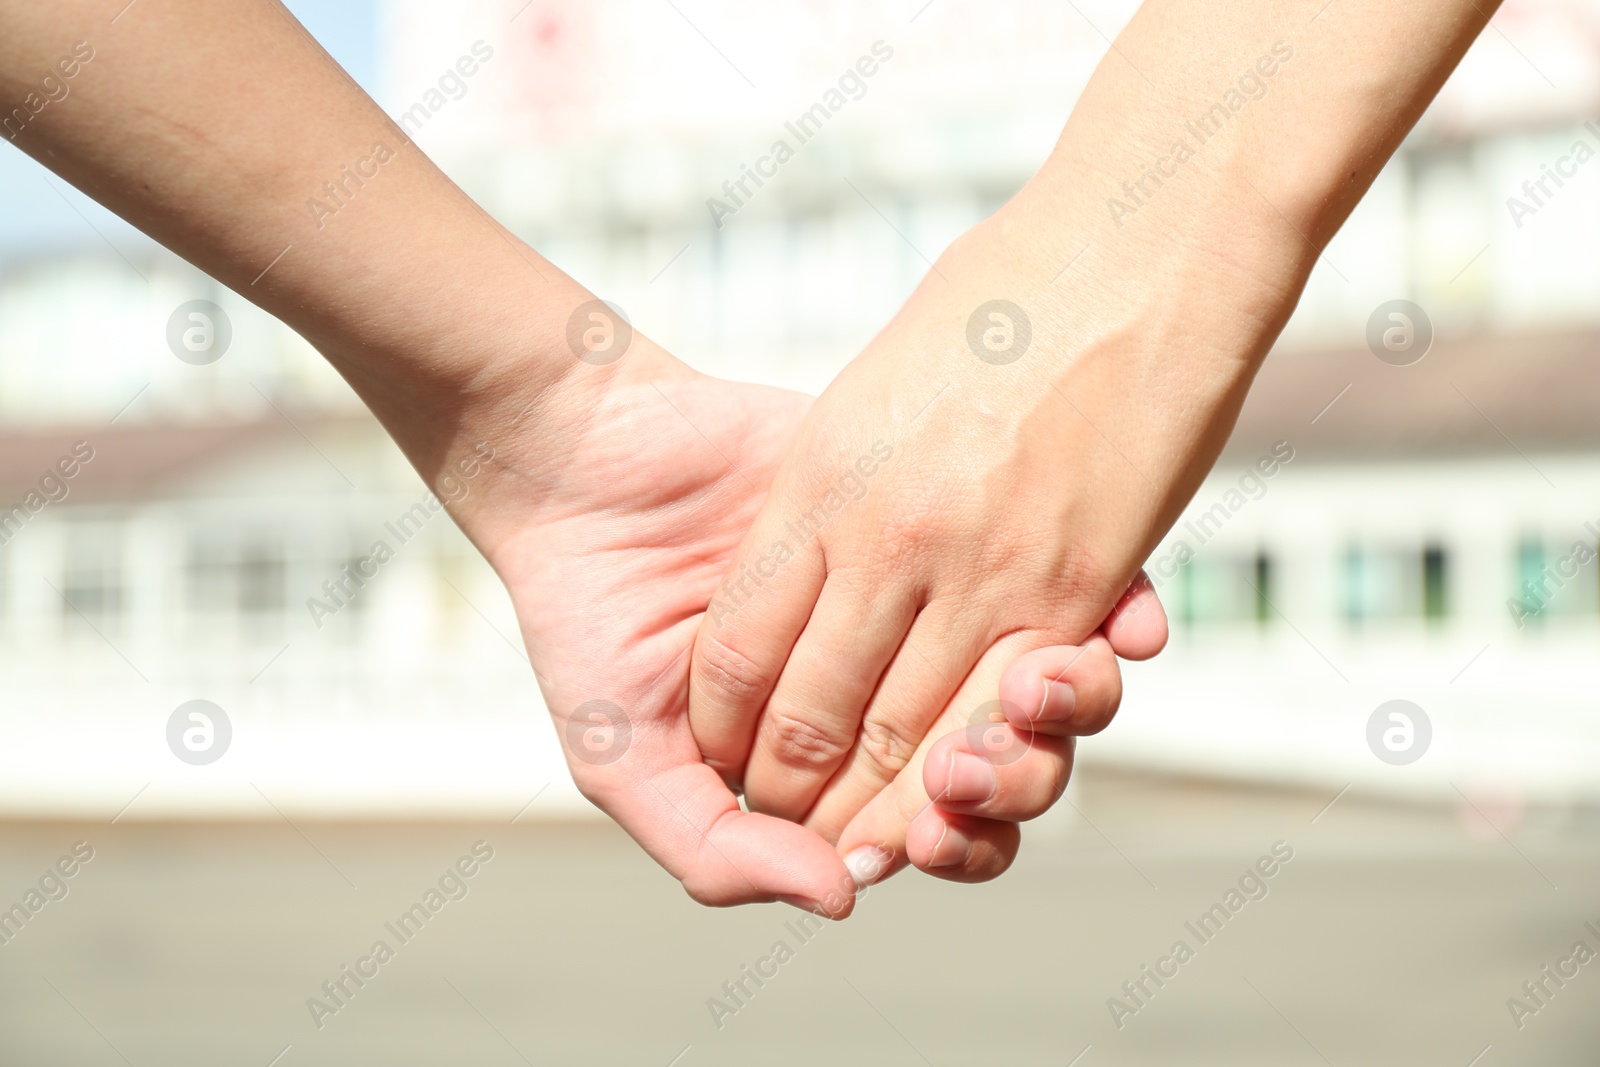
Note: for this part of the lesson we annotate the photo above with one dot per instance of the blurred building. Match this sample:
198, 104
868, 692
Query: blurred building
1432, 539
1375, 564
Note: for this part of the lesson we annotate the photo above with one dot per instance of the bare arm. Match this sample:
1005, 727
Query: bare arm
219, 128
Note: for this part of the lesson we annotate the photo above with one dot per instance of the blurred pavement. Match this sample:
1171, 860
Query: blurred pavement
1394, 936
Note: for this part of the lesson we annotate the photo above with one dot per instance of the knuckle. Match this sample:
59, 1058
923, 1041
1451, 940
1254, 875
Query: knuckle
1055, 788
1089, 573
1103, 696
1059, 774
1030, 788
886, 747
798, 742
729, 672
1098, 719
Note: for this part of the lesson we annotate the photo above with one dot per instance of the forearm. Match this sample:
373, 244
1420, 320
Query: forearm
1228, 142
1165, 242
226, 133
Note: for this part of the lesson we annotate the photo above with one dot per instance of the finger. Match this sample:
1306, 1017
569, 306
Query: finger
884, 821
1019, 779
1063, 690
745, 638
1137, 626
1076, 690
926, 672
811, 722
682, 813
960, 848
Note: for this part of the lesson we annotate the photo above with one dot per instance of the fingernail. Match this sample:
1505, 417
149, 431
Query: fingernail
972, 779
867, 864
1059, 700
953, 848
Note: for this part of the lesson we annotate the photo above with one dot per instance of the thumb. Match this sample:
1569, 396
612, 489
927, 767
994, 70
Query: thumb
1137, 626
682, 813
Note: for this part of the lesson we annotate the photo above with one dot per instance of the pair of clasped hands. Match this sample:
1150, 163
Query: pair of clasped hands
882, 615
757, 592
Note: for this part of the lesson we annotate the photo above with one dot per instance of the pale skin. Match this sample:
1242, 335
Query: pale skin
617, 493
1022, 496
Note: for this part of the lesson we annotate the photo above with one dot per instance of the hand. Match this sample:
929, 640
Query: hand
611, 565
941, 514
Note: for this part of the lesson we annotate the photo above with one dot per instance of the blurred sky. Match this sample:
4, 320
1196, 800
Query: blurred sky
39, 218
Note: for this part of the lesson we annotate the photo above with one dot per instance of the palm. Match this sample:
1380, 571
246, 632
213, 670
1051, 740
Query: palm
610, 570
616, 570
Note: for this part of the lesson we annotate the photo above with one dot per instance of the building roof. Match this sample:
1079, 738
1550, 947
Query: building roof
141, 460
1472, 395
1469, 396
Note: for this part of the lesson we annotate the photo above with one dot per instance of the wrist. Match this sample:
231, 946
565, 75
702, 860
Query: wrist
1190, 310
1212, 261
536, 426
453, 324
491, 351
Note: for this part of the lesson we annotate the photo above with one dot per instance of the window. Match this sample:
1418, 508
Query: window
1395, 583
1223, 589
93, 579
236, 574
1433, 582
261, 574
1555, 580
